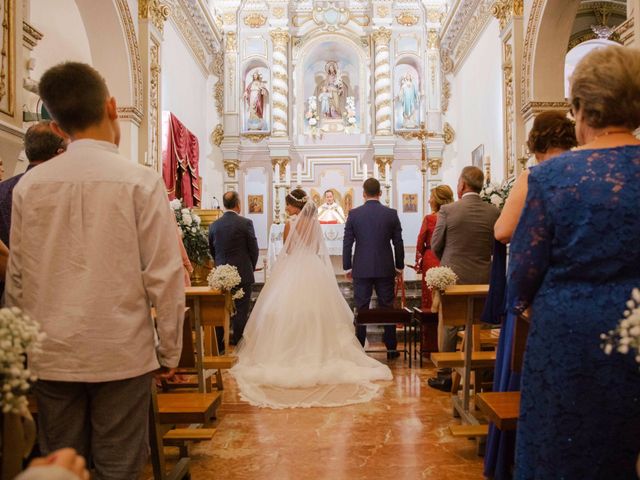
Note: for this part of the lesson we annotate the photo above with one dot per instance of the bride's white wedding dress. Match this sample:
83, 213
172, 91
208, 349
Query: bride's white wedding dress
299, 348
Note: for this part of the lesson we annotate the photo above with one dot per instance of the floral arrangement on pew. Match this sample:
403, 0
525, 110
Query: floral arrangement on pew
497, 194
226, 278
625, 338
438, 279
19, 335
194, 237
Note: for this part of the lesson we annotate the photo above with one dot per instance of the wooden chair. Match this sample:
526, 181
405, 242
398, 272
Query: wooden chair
388, 316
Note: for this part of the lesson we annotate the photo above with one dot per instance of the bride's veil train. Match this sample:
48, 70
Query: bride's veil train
299, 348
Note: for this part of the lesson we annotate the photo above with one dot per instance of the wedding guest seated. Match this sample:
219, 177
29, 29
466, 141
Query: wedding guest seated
552, 134
463, 241
574, 260
330, 211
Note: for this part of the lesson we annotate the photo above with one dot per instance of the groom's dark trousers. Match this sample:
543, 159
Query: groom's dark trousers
362, 290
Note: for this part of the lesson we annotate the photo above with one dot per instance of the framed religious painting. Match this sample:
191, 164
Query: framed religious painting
477, 156
256, 204
409, 203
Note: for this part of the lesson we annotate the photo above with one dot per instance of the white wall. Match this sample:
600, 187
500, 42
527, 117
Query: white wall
185, 93
475, 108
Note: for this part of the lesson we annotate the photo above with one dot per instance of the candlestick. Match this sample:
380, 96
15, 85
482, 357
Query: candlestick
376, 173
299, 175
287, 174
364, 171
387, 171
277, 179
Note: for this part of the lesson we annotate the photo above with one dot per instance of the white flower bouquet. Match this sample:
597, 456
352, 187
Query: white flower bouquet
19, 335
439, 278
194, 237
625, 338
497, 194
226, 278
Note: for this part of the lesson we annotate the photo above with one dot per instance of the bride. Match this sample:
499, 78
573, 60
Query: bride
299, 348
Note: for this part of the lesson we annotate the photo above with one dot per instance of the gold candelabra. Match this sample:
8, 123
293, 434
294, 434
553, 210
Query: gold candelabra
423, 134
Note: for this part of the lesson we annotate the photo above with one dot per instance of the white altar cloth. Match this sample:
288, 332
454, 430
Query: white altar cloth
332, 234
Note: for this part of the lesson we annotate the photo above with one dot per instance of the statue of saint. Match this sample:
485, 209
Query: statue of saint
334, 89
255, 94
409, 99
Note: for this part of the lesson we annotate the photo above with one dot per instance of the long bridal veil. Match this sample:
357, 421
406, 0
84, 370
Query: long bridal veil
299, 347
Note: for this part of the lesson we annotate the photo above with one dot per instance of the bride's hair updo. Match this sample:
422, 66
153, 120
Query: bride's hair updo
296, 198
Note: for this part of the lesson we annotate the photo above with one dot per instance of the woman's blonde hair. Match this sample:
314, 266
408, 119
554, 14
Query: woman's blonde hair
442, 194
605, 87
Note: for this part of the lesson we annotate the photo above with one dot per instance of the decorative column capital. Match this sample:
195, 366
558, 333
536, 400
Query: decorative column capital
503, 10
231, 45
434, 165
230, 167
280, 37
154, 10
382, 36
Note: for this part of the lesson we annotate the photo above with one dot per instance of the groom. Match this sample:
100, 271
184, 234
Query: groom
373, 227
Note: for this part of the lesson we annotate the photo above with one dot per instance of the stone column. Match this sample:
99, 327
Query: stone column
382, 81
280, 83
152, 15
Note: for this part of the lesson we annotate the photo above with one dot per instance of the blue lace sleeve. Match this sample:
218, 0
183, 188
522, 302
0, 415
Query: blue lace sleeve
530, 249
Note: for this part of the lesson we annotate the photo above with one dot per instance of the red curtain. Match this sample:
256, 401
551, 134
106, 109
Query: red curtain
180, 163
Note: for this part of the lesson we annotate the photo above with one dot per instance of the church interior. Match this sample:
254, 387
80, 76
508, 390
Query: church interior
261, 97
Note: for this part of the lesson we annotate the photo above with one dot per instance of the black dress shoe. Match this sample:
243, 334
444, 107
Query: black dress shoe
392, 355
440, 383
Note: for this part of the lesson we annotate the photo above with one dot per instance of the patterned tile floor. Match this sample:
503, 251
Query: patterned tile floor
403, 434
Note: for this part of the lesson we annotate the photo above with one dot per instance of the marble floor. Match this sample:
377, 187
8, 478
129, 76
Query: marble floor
403, 434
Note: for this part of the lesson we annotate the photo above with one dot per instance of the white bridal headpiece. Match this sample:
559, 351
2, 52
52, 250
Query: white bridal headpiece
303, 199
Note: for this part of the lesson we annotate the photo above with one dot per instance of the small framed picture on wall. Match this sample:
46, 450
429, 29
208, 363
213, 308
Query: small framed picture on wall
256, 204
409, 203
477, 156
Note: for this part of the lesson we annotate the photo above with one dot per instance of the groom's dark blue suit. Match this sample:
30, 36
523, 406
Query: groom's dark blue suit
373, 227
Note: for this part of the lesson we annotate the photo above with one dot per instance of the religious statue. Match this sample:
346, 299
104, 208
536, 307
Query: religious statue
332, 92
409, 99
330, 211
255, 94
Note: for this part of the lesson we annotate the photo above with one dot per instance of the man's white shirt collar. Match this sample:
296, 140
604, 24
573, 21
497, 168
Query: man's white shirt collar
470, 193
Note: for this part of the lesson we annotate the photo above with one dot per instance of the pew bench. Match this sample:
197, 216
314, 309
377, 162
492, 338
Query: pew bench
501, 408
469, 430
457, 359
183, 437
188, 407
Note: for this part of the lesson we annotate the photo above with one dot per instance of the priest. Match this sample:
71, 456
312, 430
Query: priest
330, 211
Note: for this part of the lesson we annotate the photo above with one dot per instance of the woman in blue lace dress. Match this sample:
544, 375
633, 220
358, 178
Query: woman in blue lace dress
575, 257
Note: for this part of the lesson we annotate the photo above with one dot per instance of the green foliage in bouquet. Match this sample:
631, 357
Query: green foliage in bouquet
194, 237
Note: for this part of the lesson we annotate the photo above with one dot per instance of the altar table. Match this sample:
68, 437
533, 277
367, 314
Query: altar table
333, 234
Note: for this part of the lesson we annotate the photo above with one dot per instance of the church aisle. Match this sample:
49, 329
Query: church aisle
402, 435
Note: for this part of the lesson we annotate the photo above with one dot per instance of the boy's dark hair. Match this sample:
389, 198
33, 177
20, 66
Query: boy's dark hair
74, 94
371, 187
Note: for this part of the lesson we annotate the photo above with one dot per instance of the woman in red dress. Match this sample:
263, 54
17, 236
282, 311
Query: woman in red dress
425, 258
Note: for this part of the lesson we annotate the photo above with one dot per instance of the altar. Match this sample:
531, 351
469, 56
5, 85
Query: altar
332, 234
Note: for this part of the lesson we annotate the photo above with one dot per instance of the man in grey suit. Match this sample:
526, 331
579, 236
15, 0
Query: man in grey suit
463, 240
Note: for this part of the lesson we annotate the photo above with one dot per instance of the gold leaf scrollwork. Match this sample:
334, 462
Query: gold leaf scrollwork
278, 12
230, 166
382, 11
432, 39
218, 135
255, 20
434, 165
503, 10
445, 95
218, 95
231, 44
449, 134
255, 137
154, 10
279, 37
446, 62
229, 18
407, 19
382, 35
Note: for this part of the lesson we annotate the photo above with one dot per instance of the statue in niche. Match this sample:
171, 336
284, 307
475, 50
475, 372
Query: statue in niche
409, 99
255, 95
332, 92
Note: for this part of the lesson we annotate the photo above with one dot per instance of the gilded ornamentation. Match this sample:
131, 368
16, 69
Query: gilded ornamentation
531, 109
625, 32
231, 166
434, 15
530, 39
359, 19
7, 60
504, 10
382, 11
229, 18
154, 10
283, 162
217, 63
446, 62
432, 39
382, 161
154, 105
278, 12
255, 137
218, 95
382, 35
231, 44
218, 135
382, 82
449, 133
445, 95
407, 19
135, 112
280, 81
196, 31
434, 165
509, 107
255, 20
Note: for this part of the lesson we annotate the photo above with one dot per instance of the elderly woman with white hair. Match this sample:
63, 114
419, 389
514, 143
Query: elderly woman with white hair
575, 258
